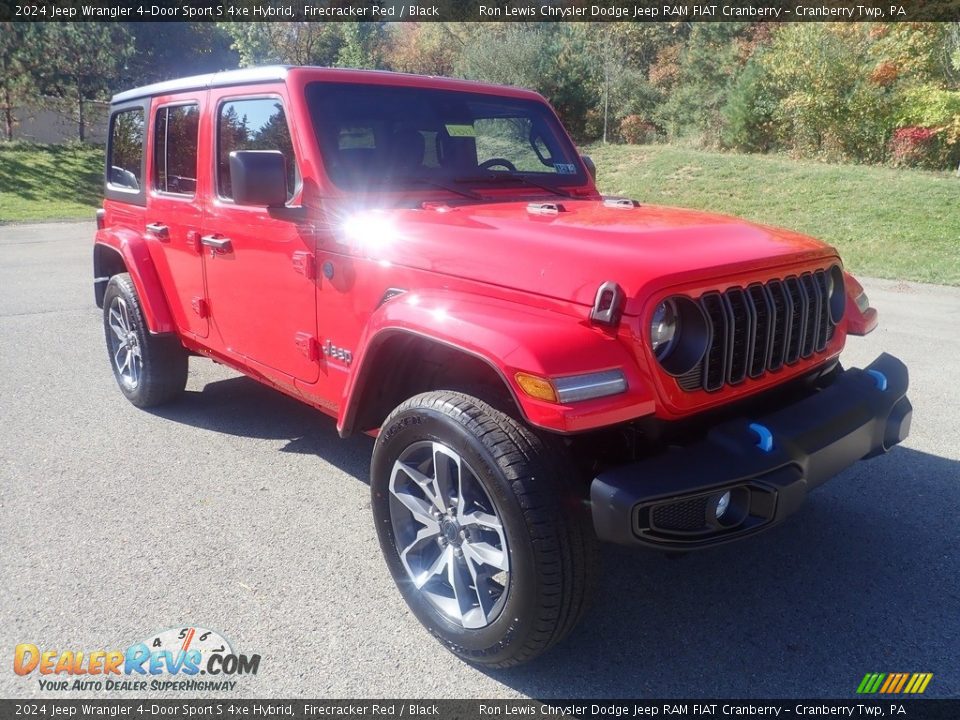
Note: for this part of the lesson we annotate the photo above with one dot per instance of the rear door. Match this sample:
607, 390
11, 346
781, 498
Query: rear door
174, 208
261, 292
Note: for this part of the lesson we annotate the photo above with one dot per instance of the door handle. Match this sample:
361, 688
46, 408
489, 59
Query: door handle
159, 231
217, 243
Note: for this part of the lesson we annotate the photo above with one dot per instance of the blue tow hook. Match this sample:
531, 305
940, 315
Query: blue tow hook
879, 378
764, 437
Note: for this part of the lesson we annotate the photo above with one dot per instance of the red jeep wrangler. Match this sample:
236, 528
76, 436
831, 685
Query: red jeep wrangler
428, 260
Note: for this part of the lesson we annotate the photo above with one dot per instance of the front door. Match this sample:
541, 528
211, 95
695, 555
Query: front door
261, 295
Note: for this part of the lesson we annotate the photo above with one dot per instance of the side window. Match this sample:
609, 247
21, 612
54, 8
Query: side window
175, 149
258, 124
125, 164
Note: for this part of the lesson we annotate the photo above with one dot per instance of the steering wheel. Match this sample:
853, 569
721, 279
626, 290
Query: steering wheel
497, 162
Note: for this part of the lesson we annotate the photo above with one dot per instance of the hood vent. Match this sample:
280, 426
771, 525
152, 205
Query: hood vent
545, 208
620, 203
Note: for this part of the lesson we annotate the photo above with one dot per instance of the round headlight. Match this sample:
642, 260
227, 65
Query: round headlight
678, 334
664, 327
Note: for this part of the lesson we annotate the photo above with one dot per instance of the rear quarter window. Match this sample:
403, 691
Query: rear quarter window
125, 155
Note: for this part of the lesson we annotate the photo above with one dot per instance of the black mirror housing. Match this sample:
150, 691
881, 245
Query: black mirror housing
591, 168
258, 177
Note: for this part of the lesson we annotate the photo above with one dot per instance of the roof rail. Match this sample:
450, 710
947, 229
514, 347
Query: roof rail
268, 73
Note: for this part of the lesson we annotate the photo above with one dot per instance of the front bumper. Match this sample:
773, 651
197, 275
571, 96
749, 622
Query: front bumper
768, 464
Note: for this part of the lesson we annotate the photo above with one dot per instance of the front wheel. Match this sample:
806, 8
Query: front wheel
481, 528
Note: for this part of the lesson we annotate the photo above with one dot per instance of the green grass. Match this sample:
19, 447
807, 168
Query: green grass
900, 224
49, 182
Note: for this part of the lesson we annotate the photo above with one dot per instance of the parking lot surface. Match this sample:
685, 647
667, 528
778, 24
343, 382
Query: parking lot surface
239, 510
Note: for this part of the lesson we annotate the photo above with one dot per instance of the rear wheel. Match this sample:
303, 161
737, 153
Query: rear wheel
150, 369
481, 528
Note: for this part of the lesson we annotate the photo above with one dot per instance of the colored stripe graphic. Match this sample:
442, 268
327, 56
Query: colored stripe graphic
894, 683
903, 680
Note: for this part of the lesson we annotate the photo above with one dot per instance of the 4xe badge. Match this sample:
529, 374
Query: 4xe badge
168, 660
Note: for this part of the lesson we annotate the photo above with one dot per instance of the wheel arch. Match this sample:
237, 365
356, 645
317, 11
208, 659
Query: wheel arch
392, 371
124, 250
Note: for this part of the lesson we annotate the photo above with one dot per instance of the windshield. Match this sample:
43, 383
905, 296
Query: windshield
405, 138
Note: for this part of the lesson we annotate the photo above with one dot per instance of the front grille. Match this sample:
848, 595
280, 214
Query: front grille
686, 515
761, 328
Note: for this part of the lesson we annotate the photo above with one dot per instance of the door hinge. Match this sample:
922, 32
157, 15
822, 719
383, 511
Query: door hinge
193, 240
200, 307
307, 344
306, 264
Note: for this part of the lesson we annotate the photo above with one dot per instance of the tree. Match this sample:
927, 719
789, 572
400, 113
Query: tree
163, 51
288, 43
362, 44
11, 75
82, 62
428, 48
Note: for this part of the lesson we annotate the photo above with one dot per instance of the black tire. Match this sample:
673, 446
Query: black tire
550, 542
162, 367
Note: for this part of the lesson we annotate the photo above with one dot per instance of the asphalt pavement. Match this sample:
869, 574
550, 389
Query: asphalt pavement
242, 511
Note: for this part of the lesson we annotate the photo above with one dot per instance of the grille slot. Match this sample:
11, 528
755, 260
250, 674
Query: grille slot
760, 329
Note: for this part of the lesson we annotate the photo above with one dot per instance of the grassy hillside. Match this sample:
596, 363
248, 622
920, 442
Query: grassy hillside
49, 182
901, 224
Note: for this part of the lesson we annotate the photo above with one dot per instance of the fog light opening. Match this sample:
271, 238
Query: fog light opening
729, 508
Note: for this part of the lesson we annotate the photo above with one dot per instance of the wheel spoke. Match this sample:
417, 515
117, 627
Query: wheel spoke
419, 508
124, 317
447, 475
461, 579
481, 585
438, 567
484, 553
116, 324
426, 484
134, 366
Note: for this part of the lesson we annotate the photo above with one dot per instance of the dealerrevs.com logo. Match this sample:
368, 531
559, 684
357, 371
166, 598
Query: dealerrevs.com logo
189, 659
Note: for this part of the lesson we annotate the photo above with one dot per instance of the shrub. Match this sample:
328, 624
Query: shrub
914, 147
635, 130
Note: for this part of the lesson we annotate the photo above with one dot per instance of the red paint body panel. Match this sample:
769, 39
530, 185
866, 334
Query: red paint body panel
492, 279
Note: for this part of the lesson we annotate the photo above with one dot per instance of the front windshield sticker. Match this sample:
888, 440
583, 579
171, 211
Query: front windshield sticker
461, 130
565, 168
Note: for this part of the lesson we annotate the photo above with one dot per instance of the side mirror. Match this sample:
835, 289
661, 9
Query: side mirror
258, 177
591, 168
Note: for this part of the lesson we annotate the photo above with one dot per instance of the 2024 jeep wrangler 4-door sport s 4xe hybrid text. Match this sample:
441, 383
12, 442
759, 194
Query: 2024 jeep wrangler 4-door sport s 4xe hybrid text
429, 260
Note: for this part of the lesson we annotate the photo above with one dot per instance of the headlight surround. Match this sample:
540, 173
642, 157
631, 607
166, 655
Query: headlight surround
664, 328
837, 294
678, 334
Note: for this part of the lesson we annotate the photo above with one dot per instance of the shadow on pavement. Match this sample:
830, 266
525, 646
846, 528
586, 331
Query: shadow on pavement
246, 408
863, 579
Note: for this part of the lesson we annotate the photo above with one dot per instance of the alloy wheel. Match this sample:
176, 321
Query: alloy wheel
449, 534
124, 344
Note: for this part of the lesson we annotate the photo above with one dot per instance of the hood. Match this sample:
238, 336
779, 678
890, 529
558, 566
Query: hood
566, 255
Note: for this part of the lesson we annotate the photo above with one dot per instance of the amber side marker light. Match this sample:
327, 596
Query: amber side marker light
536, 387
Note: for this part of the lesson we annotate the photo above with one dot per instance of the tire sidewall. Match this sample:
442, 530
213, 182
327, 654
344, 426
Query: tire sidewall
120, 286
515, 619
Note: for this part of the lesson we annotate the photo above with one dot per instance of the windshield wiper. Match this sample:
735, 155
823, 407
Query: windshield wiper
521, 179
437, 184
